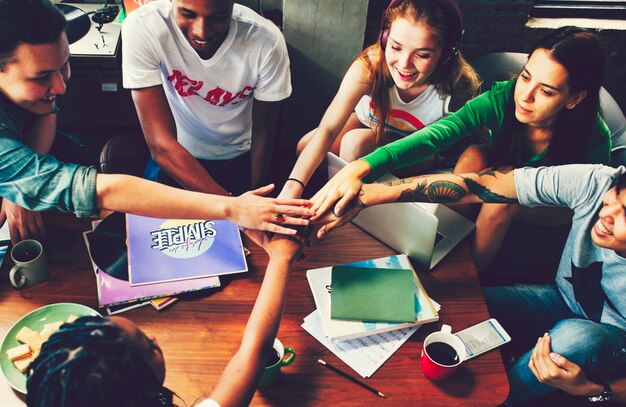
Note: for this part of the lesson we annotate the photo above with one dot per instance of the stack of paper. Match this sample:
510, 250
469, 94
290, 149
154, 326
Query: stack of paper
341, 330
364, 355
362, 345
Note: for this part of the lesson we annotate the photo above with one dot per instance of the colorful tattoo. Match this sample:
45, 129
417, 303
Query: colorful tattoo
437, 191
416, 195
445, 192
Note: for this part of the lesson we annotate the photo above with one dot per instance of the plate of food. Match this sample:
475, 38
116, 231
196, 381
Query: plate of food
23, 340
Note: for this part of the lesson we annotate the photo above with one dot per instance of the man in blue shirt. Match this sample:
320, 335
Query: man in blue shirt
580, 321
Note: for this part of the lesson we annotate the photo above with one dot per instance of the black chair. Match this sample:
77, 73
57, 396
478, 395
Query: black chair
500, 66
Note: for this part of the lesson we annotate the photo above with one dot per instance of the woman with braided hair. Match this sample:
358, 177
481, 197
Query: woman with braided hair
109, 361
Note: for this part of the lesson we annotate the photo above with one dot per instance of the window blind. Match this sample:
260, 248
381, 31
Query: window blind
606, 9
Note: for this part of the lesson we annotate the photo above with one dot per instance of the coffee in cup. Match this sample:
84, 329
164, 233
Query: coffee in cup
278, 356
31, 264
443, 353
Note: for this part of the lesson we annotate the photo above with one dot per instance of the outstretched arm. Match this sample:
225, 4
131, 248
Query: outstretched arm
251, 210
353, 86
483, 187
490, 187
238, 382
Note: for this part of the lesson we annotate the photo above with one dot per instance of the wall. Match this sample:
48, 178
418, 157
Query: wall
323, 36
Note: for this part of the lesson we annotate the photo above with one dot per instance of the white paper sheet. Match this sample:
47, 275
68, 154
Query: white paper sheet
365, 355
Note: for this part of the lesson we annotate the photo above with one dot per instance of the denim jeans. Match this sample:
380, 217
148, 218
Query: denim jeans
528, 311
234, 175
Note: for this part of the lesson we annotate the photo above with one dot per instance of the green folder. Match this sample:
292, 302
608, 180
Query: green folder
372, 294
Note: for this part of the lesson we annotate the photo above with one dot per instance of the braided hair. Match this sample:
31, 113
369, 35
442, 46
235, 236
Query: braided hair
91, 362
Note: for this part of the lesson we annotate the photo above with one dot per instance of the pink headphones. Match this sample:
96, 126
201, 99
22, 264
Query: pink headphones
453, 17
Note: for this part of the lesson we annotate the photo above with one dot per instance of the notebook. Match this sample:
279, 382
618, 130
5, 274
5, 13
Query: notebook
372, 294
343, 330
426, 232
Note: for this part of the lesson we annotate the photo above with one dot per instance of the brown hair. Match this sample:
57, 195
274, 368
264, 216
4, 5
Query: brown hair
579, 51
456, 77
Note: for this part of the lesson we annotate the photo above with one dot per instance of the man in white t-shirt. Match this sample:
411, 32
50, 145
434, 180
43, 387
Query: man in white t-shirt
207, 77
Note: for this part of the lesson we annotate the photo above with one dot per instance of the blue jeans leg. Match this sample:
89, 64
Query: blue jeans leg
600, 349
526, 311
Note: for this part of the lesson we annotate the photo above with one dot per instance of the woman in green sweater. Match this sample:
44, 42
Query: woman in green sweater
548, 115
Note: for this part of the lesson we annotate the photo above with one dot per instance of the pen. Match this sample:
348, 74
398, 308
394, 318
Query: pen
347, 376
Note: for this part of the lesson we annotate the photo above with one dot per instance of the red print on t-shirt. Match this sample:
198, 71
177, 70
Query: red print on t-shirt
216, 96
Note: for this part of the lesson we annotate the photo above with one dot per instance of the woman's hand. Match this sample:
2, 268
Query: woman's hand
253, 211
341, 189
330, 221
556, 371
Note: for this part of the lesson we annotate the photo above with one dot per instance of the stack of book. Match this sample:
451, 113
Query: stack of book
168, 257
370, 297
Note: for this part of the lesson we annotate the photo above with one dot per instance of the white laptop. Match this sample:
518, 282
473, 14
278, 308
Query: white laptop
426, 232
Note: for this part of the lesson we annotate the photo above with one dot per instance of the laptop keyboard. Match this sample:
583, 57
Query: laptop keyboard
438, 237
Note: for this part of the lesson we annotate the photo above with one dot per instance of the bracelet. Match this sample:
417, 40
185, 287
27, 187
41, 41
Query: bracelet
298, 181
606, 394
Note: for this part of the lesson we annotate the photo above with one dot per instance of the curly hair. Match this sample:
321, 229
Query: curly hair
91, 362
27, 22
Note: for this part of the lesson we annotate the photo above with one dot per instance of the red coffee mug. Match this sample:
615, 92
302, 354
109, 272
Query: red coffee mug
442, 354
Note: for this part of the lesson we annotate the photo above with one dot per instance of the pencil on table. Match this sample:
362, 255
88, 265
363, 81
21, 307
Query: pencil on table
349, 377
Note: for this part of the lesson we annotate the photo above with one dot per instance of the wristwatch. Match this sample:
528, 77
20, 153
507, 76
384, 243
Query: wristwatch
606, 394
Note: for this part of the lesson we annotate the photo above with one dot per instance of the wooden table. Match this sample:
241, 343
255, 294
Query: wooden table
199, 333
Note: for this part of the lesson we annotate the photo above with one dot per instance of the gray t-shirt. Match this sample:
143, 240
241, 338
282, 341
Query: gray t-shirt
591, 279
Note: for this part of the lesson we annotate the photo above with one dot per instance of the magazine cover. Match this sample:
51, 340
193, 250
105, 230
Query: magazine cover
115, 292
162, 250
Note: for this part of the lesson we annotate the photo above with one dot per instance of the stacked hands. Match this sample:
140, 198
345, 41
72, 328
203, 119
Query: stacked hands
342, 198
338, 202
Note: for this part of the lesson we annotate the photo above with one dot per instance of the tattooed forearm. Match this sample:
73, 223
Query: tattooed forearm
437, 191
484, 193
